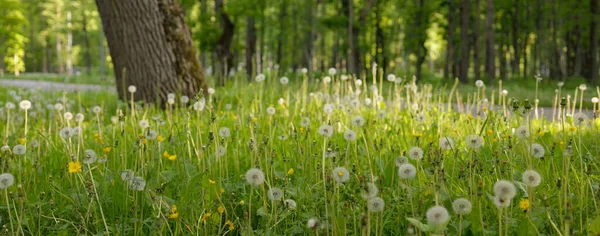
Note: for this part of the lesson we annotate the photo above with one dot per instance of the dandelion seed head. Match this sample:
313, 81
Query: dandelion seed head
415, 153
369, 191
505, 188
275, 194
341, 174
376, 204
437, 215
6, 180
407, 171
462, 206
532, 178
255, 177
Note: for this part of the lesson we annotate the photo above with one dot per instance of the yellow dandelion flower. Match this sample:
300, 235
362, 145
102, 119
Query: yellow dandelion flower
211, 181
484, 108
301, 129
490, 131
495, 140
22, 141
416, 135
222, 190
524, 204
541, 133
573, 128
470, 117
74, 167
172, 157
107, 149
230, 225
291, 171
174, 215
221, 209
254, 119
159, 138
205, 216
242, 202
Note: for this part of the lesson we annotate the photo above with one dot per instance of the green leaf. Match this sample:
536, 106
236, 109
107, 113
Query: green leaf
418, 224
261, 212
595, 226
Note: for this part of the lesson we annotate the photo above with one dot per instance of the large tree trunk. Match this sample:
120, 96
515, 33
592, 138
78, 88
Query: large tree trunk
464, 41
250, 46
86, 39
449, 39
223, 46
515, 39
280, 36
490, 59
594, 42
476, 44
353, 48
151, 48
421, 24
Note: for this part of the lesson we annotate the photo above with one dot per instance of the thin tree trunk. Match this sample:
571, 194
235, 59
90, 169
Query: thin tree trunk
594, 42
158, 60
464, 41
310, 37
280, 38
86, 39
490, 58
352, 49
250, 46
69, 45
223, 47
515, 39
422, 37
476, 44
102, 57
449, 40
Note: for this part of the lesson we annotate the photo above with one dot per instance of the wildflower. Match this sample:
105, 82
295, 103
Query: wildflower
127, 175
68, 116
57, 106
479, 83
369, 191
304, 70
211, 91
205, 216
221, 151
462, 206
407, 171
19, 149
106, 149
211, 181
271, 111
326, 130
505, 188
259, 78
6, 180
537, 150
242, 202
282, 137
446, 143
437, 215
332, 71
34, 144
532, 178
583, 87
174, 213
151, 134
184, 99
255, 177
144, 124
199, 105
401, 160
341, 175
375, 204
229, 225
524, 204
312, 223
74, 166
160, 138
522, 132
79, 117
358, 121
224, 132
137, 183
96, 109
5, 148
290, 171
284, 80
275, 194
305, 122
391, 77
89, 156
221, 209
327, 79
415, 153
350, 135
381, 114
595, 100
131, 89
474, 141
25, 104
501, 202
580, 118
9, 105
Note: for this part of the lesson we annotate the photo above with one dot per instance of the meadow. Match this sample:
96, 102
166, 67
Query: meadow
293, 156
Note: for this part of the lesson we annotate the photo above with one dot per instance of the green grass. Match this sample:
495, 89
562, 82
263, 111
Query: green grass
195, 178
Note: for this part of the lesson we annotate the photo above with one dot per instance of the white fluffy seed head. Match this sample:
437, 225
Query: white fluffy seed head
474, 141
341, 174
437, 215
416, 153
407, 171
6, 180
326, 130
501, 202
505, 189
376, 204
369, 191
446, 143
25, 104
255, 177
462, 206
532, 178
522, 132
131, 89
275, 194
537, 150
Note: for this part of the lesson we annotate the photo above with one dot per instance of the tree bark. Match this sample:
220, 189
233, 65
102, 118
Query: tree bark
421, 37
490, 58
86, 39
594, 42
151, 48
280, 37
223, 47
250, 46
464, 41
515, 40
449, 39
476, 44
